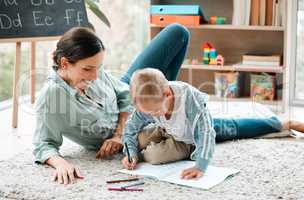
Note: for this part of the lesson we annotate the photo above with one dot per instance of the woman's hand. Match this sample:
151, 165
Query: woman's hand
110, 147
65, 172
114, 145
130, 166
191, 173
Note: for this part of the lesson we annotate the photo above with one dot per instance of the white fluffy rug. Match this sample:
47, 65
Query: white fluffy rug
270, 169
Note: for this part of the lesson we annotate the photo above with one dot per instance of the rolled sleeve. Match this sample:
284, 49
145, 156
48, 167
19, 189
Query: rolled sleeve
202, 164
47, 137
134, 126
203, 131
44, 153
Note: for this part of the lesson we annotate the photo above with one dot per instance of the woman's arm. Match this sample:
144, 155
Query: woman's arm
123, 116
114, 145
48, 138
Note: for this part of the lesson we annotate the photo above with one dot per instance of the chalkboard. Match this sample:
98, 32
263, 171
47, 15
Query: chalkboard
40, 18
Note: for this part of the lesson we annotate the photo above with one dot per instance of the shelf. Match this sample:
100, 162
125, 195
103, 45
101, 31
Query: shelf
229, 27
240, 68
246, 99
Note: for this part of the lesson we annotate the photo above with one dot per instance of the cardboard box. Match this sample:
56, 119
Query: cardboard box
169, 19
227, 84
262, 87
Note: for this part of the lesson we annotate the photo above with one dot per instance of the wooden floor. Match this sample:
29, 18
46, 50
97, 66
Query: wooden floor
14, 141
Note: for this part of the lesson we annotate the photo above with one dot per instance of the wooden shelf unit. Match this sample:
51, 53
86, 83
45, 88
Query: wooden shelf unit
230, 26
246, 99
236, 68
232, 42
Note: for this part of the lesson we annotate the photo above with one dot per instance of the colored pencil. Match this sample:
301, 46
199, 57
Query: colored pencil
128, 153
123, 180
125, 189
132, 185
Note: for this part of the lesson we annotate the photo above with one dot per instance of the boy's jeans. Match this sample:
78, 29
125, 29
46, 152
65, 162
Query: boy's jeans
158, 147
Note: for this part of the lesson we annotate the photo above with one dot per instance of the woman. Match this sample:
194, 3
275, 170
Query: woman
85, 104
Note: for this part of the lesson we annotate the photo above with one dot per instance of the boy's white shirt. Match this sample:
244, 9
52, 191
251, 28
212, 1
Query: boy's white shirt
177, 125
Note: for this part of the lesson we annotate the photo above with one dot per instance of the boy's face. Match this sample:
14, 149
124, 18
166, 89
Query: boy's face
155, 108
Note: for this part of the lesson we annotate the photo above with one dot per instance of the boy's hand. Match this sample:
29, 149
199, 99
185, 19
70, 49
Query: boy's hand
127, 164
192, 173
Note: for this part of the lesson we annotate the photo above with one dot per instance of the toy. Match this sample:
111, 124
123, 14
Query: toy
194, 62
217, 20
210, 55
220, 60
206, 47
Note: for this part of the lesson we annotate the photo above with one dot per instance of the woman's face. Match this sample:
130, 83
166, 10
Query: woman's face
80, 74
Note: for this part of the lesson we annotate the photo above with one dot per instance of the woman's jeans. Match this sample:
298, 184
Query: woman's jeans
166, 52
231, 129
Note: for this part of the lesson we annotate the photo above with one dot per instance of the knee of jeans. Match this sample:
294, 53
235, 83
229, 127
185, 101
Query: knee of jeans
125, 78
180, 31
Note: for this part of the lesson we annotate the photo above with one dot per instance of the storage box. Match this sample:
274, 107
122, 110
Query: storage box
227, 84
183, 14
176, 10
169, 19
262, 87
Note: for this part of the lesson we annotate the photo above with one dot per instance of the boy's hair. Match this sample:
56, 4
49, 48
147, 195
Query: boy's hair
147, 84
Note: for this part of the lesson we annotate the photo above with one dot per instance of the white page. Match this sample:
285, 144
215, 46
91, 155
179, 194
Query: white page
157, 171
297, 134
171, 173
212, 177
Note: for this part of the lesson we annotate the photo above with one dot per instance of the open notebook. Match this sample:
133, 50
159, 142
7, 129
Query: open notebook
171, 173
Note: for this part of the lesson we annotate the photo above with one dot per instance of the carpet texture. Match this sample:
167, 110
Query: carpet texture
270, 169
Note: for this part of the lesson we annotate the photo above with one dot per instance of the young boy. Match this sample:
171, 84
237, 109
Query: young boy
183, 125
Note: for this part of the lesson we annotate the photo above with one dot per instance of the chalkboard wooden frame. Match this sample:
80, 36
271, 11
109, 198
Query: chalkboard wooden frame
29, 39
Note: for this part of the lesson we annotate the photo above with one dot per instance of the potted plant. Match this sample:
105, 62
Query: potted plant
91, 4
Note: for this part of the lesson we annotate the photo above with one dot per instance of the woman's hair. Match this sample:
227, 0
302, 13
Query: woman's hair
76, 44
